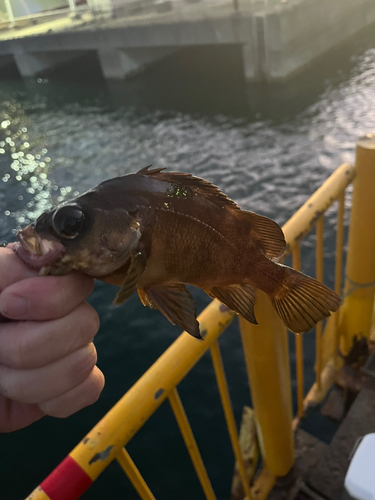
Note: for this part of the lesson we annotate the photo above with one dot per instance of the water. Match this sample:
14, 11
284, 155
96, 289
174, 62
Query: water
268, 148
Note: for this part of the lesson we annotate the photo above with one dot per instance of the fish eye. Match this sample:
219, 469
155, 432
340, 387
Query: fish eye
69, 221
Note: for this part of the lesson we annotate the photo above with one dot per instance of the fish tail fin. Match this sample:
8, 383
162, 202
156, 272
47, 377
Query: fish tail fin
302, 302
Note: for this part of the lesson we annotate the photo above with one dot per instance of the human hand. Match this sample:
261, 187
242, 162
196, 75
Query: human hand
47, 358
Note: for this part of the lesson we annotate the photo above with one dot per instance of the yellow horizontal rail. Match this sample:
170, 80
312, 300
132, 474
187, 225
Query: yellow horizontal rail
105, 441
139, 403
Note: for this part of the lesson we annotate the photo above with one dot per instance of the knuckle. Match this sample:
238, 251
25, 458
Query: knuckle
92, 322
13, 386
85, 394
20, 358
83, 326
83, 362
96, 385
87, 323
54, 409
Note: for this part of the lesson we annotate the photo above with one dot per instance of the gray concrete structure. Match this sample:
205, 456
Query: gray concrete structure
31, 64
275, 44
6, 61
119, 63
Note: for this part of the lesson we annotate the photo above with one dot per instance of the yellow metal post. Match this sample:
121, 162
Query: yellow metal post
359, 289
191, 444
131, 470
301, 223
267, 361
228, 412
299, 344
319, 277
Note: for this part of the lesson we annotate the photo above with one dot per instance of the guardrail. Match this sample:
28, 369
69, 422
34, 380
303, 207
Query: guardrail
265, 350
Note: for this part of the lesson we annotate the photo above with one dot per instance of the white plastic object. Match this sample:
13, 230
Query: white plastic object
360, 478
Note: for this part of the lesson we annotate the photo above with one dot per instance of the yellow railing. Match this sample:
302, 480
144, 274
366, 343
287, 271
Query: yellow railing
265, 350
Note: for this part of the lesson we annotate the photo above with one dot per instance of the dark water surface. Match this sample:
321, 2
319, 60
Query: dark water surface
268, 148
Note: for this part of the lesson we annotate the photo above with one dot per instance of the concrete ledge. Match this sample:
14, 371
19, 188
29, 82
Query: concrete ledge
276, 44
180, 34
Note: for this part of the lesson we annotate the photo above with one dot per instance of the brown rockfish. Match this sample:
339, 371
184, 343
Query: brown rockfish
155, 231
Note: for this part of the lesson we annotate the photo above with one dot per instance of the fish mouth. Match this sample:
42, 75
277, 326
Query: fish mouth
36, 252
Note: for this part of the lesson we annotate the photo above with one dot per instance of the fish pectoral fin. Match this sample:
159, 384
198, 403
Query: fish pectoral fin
269, 234
176, 303
239, 298
129, 284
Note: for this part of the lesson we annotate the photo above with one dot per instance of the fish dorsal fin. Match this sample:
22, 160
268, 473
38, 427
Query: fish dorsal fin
152, 172
200, 186
239, 298
176, 303
268, 234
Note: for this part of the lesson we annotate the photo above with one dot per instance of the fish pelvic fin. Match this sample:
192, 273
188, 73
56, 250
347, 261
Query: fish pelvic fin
175, 302
239, 298
129, 284
268, 233
302, 302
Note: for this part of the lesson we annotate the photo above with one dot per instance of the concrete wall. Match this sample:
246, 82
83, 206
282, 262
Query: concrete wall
276, 44
178, 34
297, 35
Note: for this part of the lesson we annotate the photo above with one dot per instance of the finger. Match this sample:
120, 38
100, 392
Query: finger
33, 344
48, 382
45, 297
16, 415
84, 394
12, 269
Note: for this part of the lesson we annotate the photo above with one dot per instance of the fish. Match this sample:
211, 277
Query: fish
156, 231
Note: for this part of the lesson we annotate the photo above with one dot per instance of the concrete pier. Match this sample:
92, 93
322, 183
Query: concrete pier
119, 63
276, 43
6, 61
31, 64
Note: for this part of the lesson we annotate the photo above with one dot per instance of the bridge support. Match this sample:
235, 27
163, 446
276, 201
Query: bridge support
6, 61
31, 64
120, 63
250, 63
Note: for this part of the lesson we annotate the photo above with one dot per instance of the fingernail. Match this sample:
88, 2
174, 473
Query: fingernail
14, 306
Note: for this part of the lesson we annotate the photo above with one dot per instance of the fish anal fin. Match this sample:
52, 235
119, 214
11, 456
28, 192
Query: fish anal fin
266, 231
302, 302
239, 298
176, 303
144, 298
